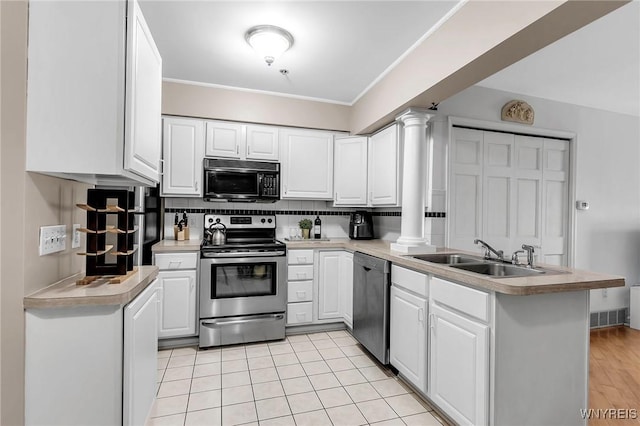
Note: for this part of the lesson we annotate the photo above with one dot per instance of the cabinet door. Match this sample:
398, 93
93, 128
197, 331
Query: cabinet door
143, 122
346, 287
140, 356
408, 336
224, 139
384, 168
459, 366
177, 303
183, 150
307, 164
350, 173
262, 143
329, 285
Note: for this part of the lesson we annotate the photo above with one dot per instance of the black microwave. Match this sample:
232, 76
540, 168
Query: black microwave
239, 180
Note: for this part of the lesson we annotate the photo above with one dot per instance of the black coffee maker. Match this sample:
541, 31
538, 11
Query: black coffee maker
361, 225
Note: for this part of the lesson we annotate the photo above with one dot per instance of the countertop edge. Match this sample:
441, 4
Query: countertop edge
518, 286
44, 299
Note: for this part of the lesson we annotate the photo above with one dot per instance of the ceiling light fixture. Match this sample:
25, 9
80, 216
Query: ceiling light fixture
269, 41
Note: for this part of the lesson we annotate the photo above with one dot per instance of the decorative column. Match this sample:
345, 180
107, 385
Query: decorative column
412, 239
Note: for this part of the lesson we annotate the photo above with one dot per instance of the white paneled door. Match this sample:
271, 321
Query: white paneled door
509, 190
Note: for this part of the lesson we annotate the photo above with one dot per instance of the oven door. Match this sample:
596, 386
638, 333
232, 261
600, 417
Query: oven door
242, 286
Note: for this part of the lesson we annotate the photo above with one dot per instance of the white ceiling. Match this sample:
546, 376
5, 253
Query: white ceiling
342, 47
597, 66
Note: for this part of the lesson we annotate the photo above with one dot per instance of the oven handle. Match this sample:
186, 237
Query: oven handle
242, 320
246, 254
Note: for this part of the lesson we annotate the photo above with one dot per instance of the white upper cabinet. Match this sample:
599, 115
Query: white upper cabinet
262, 143
307, 164
224, 139
385, 172
93, 103
350, 171
241, 141
183, 148
143, 98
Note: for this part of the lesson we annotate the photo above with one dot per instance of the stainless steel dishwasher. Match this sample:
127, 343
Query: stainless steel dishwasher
371, 287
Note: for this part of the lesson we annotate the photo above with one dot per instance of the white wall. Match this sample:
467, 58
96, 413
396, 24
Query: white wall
607, 236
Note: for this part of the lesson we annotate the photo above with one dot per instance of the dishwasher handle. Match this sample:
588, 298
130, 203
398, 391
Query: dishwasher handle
371, 263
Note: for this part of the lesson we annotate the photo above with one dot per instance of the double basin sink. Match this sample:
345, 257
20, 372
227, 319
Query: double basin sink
479, 265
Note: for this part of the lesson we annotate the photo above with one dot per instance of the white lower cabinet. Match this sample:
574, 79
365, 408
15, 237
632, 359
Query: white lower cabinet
408, 336
178, 294
320, 286
299, 286
346, 287
102, 355
459, 356
140, 356
408, 325
335, 285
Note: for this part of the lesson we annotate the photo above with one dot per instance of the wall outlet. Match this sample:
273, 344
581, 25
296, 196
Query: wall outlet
52, 239
75, 242
604, 293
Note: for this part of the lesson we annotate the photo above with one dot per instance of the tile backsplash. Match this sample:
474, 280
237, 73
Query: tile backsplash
335, 220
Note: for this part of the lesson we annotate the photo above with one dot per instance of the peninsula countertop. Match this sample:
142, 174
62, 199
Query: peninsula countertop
557, 279
66, 293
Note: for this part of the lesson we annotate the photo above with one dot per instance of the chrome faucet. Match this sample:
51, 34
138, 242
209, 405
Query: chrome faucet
530, 250
514, 257
488, 250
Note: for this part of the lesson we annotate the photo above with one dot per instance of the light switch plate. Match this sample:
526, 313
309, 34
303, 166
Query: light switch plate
75, 242
52, 239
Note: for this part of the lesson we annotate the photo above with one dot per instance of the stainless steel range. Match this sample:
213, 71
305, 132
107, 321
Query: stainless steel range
242, 280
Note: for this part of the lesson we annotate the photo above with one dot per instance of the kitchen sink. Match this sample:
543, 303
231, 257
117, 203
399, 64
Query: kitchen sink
498, 269
448, 258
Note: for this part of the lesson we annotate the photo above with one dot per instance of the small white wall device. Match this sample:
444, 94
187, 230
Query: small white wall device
582, 205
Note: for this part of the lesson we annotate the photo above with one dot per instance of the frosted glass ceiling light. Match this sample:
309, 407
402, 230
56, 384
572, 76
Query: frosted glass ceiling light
269, 41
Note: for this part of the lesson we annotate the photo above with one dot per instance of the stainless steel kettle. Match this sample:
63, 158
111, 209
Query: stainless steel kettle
217, 233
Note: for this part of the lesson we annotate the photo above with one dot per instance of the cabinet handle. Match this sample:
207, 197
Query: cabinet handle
301, 315
301, 259
285, 189
301, 294
301, 274
196, 186
248, 150
193, 284
237, 150
432, 322
421, 315
161, 167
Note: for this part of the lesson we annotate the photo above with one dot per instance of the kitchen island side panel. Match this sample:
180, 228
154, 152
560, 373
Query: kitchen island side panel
540, 359
73, 366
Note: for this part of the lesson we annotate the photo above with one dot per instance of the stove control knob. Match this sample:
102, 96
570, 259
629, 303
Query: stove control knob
262, 220
270, 220
210, 220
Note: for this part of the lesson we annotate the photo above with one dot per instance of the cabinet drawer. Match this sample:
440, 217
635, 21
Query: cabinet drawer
300, 272
467, 300
410, 280
176, 260
300, 257
298, 313
300, 291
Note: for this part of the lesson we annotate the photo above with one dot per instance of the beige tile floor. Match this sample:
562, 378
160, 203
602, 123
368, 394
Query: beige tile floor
310, 379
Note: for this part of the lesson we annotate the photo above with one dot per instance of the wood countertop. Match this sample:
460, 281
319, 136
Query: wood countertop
557, 279
65, 293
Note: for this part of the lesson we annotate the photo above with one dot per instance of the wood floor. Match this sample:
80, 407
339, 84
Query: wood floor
614, 377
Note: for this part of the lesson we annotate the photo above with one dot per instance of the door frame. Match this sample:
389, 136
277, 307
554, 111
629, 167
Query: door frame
519, 129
